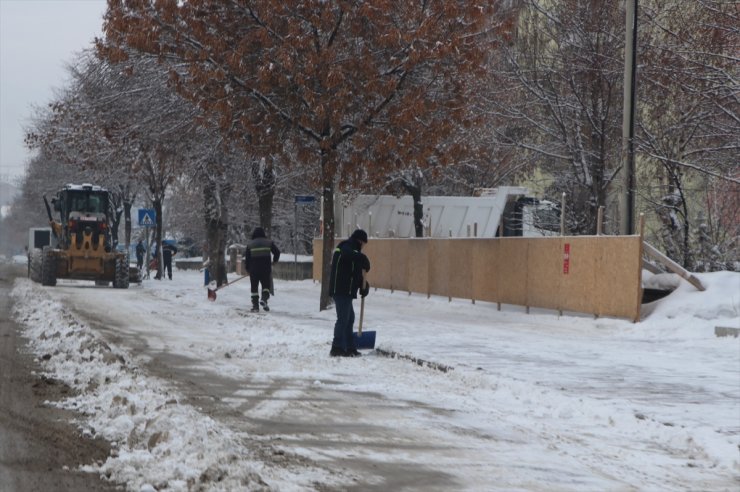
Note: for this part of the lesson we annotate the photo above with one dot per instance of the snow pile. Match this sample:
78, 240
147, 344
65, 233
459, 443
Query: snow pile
157, 441
662, 281
689, 305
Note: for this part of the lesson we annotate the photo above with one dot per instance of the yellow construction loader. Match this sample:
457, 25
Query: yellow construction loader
82, 247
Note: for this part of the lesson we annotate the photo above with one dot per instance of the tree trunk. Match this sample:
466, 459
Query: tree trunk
418, 212
157, 204
413, 186
265, 208
328, 240
115, 218
114, 228
263, 173
214, 196
127, 218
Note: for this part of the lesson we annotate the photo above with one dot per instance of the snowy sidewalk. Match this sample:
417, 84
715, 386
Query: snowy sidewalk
534, 402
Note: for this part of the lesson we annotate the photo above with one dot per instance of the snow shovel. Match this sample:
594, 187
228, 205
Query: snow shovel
212, 287
364, 340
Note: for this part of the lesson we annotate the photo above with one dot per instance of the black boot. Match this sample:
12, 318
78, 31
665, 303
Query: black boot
265, 297
255, 305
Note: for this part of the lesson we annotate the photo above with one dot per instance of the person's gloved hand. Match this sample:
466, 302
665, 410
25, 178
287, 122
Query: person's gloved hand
366, 290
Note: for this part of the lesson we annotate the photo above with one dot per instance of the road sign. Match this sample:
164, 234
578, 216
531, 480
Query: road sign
305, 198
147, 217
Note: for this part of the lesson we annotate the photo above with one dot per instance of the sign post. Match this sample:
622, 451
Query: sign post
147, 218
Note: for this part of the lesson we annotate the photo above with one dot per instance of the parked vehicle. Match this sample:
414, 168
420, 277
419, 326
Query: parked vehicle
503, 211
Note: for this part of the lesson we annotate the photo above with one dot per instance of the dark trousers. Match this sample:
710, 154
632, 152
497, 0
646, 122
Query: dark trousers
167, 267
257, 279
343, 338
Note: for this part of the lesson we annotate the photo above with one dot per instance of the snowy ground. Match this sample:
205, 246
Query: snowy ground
206, 396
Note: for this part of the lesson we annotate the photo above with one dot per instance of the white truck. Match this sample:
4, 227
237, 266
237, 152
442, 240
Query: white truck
38, 237
503, 211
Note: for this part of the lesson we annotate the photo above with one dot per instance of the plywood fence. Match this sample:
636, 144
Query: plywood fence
588, 274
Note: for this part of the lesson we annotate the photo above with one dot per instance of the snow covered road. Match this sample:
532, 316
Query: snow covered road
535, 402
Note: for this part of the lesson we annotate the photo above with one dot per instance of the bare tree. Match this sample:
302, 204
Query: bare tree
559, 94
337, 74
123, 121
689, 127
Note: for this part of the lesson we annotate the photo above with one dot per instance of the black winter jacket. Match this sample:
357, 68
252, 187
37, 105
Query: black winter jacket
168, 251
347, 265
257, 259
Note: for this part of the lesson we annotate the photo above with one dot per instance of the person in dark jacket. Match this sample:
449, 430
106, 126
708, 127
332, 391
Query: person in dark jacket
168, 251
260, 255
348, 265
140, 250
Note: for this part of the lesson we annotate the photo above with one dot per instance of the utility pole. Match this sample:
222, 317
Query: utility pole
627, 181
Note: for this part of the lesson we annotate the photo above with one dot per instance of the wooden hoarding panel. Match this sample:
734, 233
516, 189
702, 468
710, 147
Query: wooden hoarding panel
618, 268
578, 281
439, 266
418, 265
511, 266
544, 272
399, 249
485, 276
379, 253
590, 274
460, 274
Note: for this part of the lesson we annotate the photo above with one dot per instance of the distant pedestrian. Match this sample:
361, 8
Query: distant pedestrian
347, 267
168, 251
140, 250
260, 255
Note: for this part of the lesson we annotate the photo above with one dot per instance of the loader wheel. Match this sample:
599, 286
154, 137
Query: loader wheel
48, 267
122, 280
36, 260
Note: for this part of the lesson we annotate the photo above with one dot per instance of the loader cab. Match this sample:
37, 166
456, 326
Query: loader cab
83, 200
84, 209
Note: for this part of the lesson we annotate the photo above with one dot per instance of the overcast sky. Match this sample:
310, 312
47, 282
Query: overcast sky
37, 39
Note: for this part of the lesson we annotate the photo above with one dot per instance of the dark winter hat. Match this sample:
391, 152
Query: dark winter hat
258, 232
359, 235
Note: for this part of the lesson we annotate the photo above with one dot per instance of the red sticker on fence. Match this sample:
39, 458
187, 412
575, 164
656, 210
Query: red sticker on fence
566, 258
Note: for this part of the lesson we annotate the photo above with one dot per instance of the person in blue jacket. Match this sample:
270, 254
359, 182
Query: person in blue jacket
347, 266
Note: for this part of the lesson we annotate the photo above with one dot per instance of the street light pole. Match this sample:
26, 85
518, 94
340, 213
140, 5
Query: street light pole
627, 195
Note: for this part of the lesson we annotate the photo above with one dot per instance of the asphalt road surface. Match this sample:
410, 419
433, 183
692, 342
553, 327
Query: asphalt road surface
40, 448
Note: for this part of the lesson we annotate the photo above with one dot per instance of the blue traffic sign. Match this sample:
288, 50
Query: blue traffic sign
147, 217
304, 198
